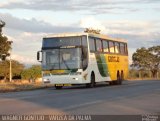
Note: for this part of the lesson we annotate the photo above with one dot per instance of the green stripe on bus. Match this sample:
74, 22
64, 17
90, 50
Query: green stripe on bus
102, 65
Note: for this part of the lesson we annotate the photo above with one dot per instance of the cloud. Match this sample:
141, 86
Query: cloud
93, 7
24, 59
25, 45
138, 33
34, 25
91, 22
8, 2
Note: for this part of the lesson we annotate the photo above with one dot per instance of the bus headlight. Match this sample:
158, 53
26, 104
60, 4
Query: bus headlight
75, 79
46, 80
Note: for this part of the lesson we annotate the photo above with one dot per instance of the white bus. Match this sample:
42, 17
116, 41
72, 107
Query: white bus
83, 58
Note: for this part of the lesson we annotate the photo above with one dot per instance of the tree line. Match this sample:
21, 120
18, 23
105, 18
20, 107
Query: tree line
18, 70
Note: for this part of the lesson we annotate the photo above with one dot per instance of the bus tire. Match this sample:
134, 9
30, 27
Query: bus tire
58, 87
119, 80
92, 83
122, 75
111, 83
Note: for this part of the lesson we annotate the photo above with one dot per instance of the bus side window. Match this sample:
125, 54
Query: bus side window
98, 45
84, 41
105, 46
117, 48
92, 44
111, 47
122, 48
125, 49
84, 52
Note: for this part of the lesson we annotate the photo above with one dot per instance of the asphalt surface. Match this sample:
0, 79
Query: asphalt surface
130, 98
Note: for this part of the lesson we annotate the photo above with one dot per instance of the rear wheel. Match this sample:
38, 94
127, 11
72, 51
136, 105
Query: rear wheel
119, 79
122, 75
111, 83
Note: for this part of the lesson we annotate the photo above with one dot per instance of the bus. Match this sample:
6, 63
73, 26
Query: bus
83, 58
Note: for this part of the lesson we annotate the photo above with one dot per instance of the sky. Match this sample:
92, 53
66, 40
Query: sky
28, 21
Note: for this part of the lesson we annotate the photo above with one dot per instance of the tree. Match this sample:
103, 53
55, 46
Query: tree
5, 45
32, 73
147, 59
16, 68
2, 24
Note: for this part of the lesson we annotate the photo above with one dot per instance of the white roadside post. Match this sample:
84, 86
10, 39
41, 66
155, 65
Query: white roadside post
10, 63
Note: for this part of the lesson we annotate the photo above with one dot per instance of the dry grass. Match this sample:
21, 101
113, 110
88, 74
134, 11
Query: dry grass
133, 79
21, 86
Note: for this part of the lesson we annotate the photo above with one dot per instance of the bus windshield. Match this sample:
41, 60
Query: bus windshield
62, 58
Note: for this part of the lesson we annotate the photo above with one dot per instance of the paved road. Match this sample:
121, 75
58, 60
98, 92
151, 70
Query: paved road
133, 97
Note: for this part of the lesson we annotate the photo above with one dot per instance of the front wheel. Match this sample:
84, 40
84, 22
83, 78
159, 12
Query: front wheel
92, 83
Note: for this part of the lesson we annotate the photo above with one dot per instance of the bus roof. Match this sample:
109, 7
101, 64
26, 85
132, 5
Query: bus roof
102, 36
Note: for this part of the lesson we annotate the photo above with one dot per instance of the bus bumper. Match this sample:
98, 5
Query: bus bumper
64, 79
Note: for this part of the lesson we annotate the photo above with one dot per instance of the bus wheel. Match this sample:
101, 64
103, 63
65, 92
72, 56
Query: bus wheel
122, 75
58, 87
92, 83
111, 83
119, 80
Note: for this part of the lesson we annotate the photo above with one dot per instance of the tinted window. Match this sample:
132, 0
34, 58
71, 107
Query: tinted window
98, 45
122, 48
69, 58
117, 48
84, 40
111, 47
105, 46
126, 51
61, 41
92, 44
84, 52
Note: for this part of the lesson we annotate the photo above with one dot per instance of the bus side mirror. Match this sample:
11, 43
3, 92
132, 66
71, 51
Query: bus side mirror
39, 53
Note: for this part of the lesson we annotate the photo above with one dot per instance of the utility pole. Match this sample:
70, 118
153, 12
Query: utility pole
10, 63
10, 69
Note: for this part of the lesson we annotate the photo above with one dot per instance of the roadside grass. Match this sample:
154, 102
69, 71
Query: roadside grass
20, 86
134, 79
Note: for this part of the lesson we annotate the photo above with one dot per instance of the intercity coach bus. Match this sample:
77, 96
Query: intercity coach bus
83, 58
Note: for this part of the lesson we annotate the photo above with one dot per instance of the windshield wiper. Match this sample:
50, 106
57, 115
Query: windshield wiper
65, 63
